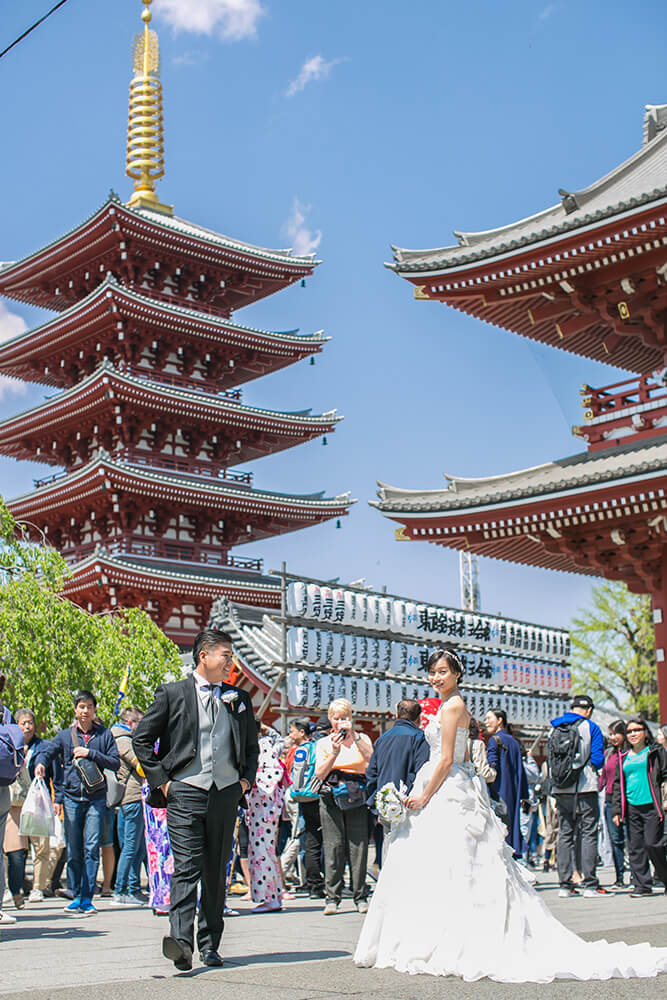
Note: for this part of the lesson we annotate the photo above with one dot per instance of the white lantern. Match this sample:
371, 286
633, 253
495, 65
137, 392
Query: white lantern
313, 601
349, 605
398, 621
338, 605
371, 611
360, 607
411, 618
384, 613
326, 604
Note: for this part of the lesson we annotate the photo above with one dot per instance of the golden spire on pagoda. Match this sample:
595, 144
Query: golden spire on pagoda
145, 130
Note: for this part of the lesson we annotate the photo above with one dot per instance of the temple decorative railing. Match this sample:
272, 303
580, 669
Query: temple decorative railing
166, 550
635, 407
180, 466
180, 382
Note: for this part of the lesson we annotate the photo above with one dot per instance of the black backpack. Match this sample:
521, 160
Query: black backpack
563, 748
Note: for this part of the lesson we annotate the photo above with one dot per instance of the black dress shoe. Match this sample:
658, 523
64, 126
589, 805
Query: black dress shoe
211, 958
177, 952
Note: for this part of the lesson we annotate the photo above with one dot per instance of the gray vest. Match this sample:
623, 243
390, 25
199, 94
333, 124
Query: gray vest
214, 763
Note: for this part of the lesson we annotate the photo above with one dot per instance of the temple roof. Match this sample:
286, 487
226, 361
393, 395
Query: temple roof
638, 181
99, 245
78, 323
104, 473
180, 486
282, 256
107, 387
578, 473
212, 581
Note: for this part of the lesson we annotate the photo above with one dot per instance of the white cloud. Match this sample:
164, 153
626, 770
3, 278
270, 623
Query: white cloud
546, 12
189, 59
316, 68
302, 239
231, 19
10, 326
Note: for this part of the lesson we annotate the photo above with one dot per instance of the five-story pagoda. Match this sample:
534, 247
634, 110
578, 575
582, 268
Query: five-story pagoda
150, 416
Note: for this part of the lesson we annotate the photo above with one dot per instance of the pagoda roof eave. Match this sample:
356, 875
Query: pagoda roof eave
169, 224
205, 404
200, 322
82, 478
638, 181
555, 481
217, 581
282, 256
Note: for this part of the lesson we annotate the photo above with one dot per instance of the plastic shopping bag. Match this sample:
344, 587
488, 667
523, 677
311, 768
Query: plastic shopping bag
57, 841
37, 818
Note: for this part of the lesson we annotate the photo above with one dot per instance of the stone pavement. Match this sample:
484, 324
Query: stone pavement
294, 955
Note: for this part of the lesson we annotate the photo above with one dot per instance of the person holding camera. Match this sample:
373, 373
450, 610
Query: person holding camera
341, 762
86, 750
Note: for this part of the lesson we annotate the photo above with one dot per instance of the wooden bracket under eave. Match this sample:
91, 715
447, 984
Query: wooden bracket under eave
400, 535
419, 292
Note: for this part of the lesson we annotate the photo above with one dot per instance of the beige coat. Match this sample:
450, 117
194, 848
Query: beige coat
127, 773
18, 791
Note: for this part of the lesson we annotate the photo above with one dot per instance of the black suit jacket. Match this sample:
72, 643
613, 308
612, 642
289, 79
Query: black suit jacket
173, 720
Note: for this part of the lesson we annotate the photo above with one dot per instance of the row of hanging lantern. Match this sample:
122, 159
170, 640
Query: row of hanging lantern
374, 611
336, 649
314, 691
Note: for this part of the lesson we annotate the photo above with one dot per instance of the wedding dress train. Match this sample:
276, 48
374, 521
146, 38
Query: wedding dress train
450, 900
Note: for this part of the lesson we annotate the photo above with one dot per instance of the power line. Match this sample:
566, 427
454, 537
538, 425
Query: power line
32, 27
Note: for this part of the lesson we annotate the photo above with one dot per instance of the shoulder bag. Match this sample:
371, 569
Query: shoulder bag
89, 773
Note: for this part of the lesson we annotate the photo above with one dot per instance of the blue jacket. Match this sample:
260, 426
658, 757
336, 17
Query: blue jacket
590, 753
397, 756
511, 785
54, 771
102, 751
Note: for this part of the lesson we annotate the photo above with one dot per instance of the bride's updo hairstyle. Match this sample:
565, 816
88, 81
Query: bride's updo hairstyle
453, 661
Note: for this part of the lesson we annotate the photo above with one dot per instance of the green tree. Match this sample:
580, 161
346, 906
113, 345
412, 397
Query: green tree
613, 652
49, 646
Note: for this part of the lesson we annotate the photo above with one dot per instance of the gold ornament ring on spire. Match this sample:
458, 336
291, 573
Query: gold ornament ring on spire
145, 130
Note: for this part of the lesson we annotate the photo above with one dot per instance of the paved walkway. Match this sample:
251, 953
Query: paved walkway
294, 955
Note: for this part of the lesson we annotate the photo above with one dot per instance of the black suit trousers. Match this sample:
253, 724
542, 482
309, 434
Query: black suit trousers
201, 831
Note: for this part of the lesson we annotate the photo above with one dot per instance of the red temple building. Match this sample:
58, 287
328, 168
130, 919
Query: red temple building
588, 275
149, 417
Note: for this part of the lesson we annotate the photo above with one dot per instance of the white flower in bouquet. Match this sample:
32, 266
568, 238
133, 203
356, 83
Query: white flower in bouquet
390, 803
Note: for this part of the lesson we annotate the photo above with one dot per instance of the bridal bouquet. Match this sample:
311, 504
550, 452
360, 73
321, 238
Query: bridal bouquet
390, 803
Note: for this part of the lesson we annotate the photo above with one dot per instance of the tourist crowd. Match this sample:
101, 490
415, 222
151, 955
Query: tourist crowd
307, 822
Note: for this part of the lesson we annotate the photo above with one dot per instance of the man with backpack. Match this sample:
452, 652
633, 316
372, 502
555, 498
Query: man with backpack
305, 792
575, 756
12, 758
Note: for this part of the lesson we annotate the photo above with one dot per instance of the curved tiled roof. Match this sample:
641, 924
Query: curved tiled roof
638, 181
176, 394
110, 286
612, 466
181, 484
182, 226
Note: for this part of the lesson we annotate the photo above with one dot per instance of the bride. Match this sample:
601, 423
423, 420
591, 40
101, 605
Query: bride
451, 901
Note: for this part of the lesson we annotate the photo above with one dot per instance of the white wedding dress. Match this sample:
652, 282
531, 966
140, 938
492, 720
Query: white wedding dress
451, 901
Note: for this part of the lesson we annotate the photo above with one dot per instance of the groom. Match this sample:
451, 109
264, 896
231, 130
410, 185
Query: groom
205, 763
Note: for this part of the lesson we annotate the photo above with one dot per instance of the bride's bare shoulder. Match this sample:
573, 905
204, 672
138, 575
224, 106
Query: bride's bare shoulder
455, 709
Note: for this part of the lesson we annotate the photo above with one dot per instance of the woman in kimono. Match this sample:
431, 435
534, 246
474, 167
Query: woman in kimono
265, 805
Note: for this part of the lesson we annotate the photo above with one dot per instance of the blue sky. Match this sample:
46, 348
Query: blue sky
344, 128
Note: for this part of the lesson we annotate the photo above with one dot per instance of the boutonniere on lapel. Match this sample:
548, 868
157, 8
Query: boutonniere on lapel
230, 697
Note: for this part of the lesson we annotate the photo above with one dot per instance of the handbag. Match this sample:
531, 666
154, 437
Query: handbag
89, 773
348, 792
115, 789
